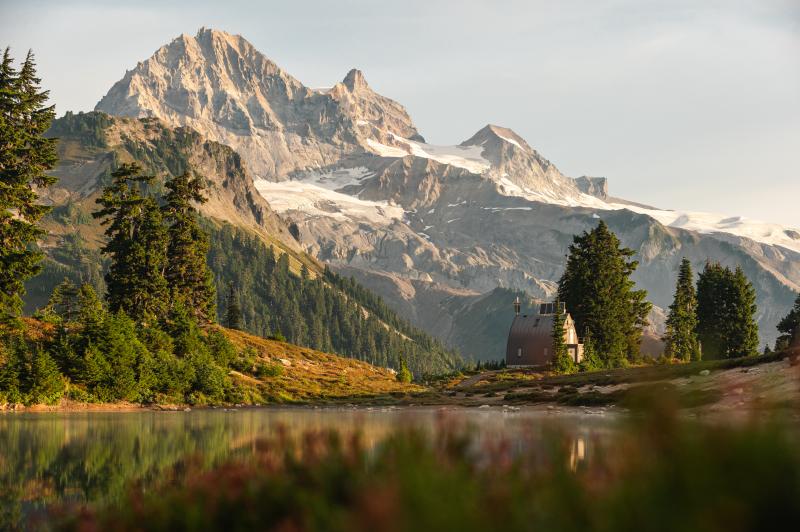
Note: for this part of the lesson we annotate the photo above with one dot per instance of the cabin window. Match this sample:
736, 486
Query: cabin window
545, 352
519, 352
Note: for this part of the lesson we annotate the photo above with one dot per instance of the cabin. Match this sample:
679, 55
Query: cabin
530, 339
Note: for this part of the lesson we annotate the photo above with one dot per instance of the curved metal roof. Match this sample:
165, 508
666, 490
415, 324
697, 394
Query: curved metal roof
530, 340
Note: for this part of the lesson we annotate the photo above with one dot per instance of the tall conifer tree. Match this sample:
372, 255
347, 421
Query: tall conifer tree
137, 245
63, 303
45, 383
233, 313
25, 157
712, 303
743, 329
187, 272
726, 308
681, 338
600, 295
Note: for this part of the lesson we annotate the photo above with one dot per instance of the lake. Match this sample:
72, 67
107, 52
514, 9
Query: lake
51, 459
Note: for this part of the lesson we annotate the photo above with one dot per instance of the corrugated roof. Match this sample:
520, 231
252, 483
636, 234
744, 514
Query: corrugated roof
530, 339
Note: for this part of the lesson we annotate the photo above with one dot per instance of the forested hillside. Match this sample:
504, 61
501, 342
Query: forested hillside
276, 293
325, 312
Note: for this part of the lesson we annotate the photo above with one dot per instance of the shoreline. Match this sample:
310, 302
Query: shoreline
746, 385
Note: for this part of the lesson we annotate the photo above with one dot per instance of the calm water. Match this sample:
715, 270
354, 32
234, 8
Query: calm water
64, 458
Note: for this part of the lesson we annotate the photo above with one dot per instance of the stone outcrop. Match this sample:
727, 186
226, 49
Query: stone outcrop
594, 186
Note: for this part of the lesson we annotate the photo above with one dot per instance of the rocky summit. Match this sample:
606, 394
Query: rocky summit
221, 86
437, 230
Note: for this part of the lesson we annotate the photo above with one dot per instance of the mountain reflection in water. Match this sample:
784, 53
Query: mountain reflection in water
50, 459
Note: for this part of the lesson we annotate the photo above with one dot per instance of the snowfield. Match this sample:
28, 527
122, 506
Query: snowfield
467, 157
700, 222
710, 223
317, 201
335, 179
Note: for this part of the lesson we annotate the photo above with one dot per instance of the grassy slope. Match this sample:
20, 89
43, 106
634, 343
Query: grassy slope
304, 375
312, 376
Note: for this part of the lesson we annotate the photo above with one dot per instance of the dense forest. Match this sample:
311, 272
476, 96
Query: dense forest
327, 312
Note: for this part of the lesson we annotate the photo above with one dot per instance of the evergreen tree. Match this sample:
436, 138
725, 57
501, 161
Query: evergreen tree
600, 295
187, 271
115, 358
712, 311
45, 383
13, 353
562, 362
25, 157
681, 338
789, 326
726, 308
91, 312
743, 329
403, 374
233, 313
96, 374
63, 304
137, 244
591, 361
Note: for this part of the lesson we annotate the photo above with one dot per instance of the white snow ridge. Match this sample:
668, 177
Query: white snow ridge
316, 194
467, 157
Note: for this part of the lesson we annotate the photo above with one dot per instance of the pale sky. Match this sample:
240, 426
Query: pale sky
681, 104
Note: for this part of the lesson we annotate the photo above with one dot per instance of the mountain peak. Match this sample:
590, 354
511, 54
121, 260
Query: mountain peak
498, 135
206, 33
220, 85
355, 80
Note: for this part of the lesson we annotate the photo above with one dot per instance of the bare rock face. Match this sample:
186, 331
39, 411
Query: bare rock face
364, 192
593, 186
221, 86
373, 115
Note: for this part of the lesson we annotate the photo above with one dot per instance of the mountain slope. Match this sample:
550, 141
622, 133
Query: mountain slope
362, 189
280, 288
308, 375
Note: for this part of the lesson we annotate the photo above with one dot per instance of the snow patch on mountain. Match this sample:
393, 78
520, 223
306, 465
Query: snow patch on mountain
507, 187
709, 223
335, 179
317, 201
511, 141
386, 151
467, 157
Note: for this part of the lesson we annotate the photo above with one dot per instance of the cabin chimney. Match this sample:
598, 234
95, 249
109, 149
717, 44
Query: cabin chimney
516, 306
